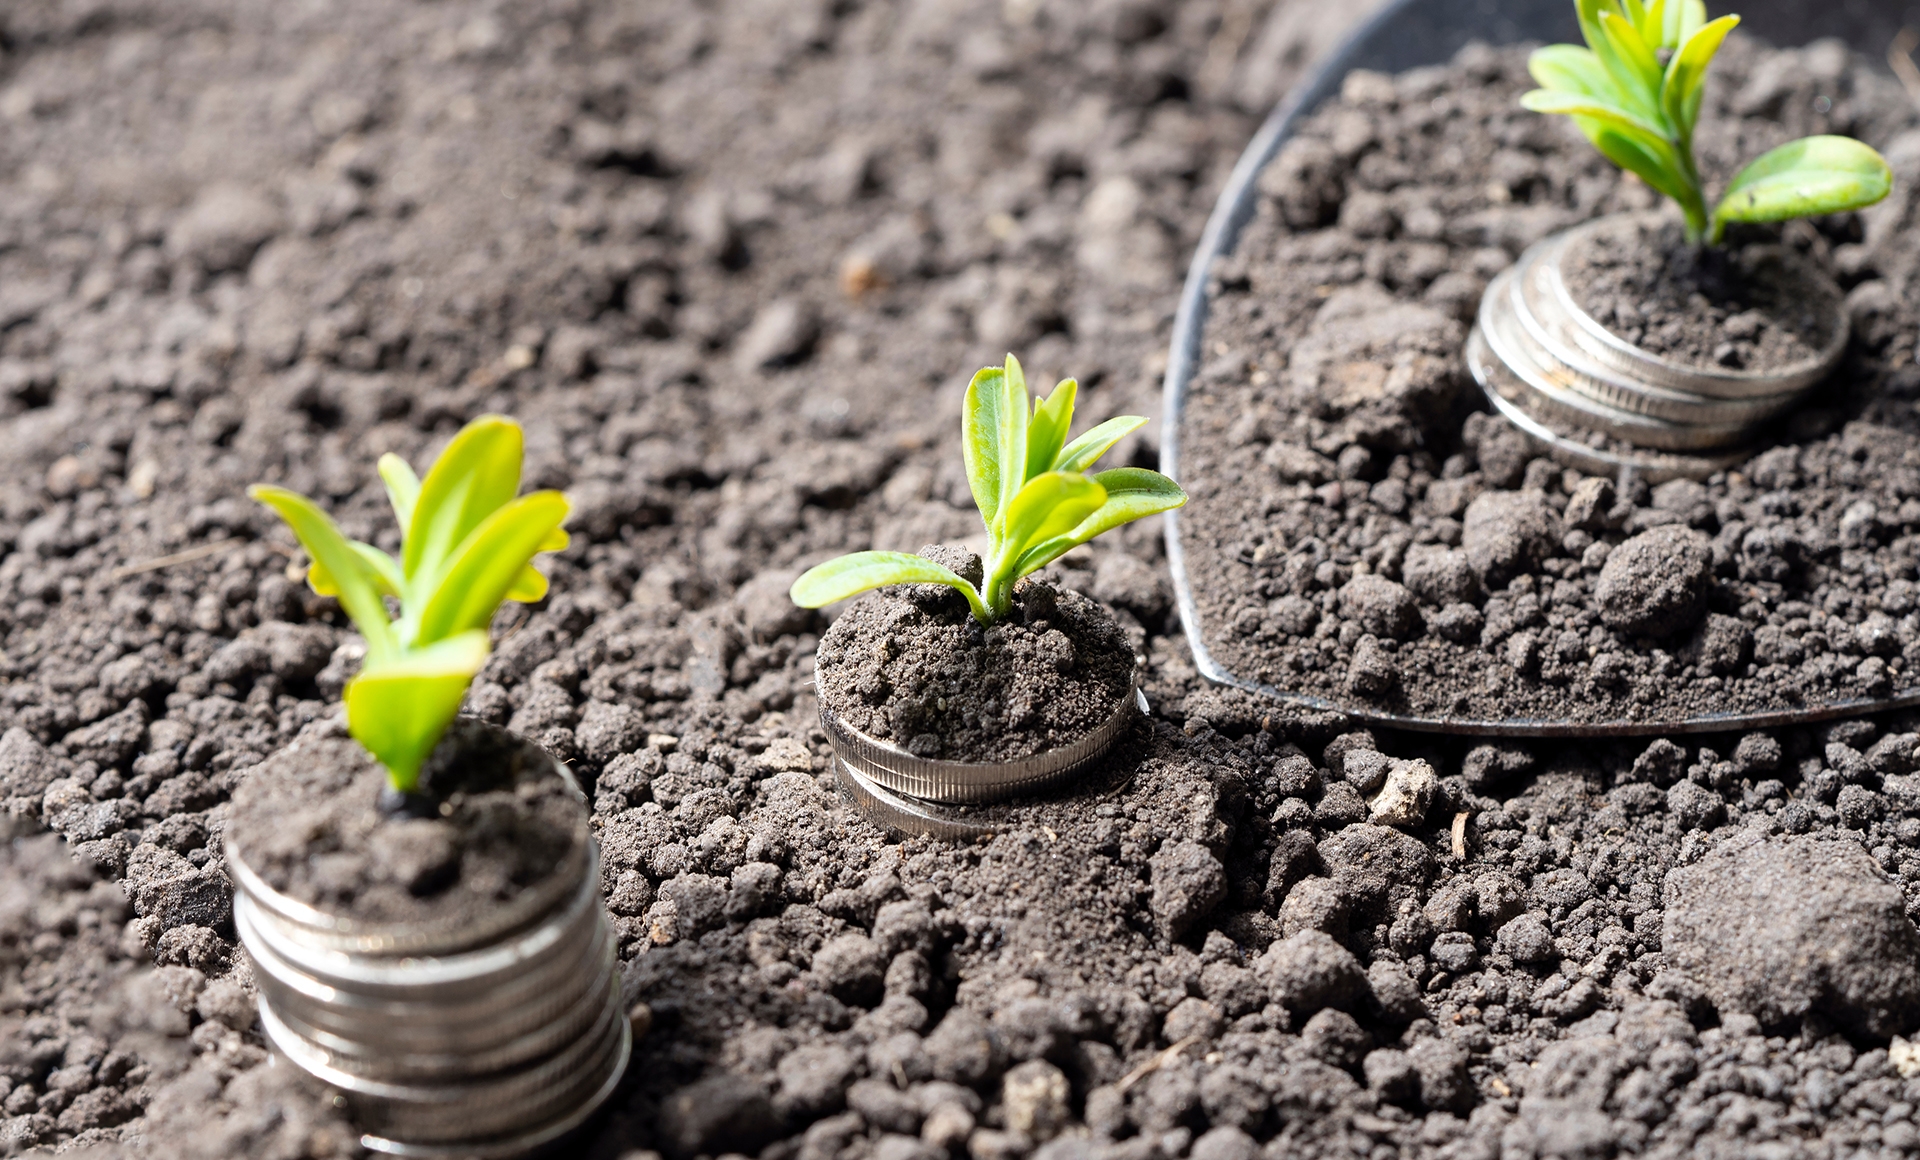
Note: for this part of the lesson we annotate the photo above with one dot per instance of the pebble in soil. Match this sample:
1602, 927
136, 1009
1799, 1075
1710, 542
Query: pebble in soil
1335, 448
723, 415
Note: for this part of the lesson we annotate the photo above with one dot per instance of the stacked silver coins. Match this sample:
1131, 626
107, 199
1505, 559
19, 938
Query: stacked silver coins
917, 795
1557, 373
488, 1039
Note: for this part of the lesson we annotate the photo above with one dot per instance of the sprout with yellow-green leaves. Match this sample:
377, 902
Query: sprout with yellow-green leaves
1635, 91
467, 544
1033, 491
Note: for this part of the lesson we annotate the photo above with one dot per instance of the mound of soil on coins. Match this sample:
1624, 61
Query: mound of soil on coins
913, 667
497, 821
1750, 305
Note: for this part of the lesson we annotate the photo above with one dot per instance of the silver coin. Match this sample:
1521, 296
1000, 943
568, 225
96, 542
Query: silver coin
1655, 466
905, 815
1543, 391
1537, 354
1552, 300
910, 816
971, 782
1522, 334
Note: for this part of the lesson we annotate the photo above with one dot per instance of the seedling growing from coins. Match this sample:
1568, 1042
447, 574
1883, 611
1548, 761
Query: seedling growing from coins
1032, 489
467, 545
1635, 91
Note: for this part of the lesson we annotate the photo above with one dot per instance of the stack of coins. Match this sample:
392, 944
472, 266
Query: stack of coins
917, 795
1560, 375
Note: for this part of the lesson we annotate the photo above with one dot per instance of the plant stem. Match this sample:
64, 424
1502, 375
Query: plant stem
982, 610
997, 599
1694, 208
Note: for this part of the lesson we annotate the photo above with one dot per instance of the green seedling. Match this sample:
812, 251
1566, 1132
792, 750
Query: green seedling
1635, 92
1033, 491
467, 545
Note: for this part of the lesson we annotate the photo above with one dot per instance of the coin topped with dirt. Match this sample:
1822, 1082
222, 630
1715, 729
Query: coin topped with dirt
912, 667
309, 821
1751, 305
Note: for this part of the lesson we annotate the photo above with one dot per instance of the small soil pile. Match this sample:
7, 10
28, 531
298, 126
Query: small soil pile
1362, 533
1752, 305
308, 821
913, 667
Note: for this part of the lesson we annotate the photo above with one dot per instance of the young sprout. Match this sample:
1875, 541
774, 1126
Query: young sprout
1033, 493
466, 545
1635, 92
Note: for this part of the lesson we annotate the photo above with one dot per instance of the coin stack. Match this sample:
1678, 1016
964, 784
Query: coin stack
916, 795
1562, 377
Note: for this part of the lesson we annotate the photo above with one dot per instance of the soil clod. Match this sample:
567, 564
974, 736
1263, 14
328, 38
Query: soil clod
1784, 928
1656, 583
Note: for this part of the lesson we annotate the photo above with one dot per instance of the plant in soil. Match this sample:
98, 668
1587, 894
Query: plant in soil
1635, 91
467, 545
1033, 491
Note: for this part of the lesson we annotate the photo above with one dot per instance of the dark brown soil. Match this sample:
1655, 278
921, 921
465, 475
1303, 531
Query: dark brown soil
752, 251
1750, 305
913, 667
1361, 531
307, 820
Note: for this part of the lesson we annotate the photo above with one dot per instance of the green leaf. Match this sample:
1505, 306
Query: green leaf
1813, 175
1589, 13
1592, 108
1132, 493
1650, 22
1052, 503
403, 488
1048, 430
486, 565
1623, 139
1663, 23
349, 573
1656, 164
1568, 68
1693, 17
980, 440
994, 438
399, 709
1630, 92
477, 474
1640, 82
386, 572
851, 575
1636, 14
1653, 162
1085, 451
528, 587
1686, 78
1015, 417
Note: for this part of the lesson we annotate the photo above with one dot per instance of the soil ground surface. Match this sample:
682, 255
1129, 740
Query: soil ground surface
1360, 528
732, 265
